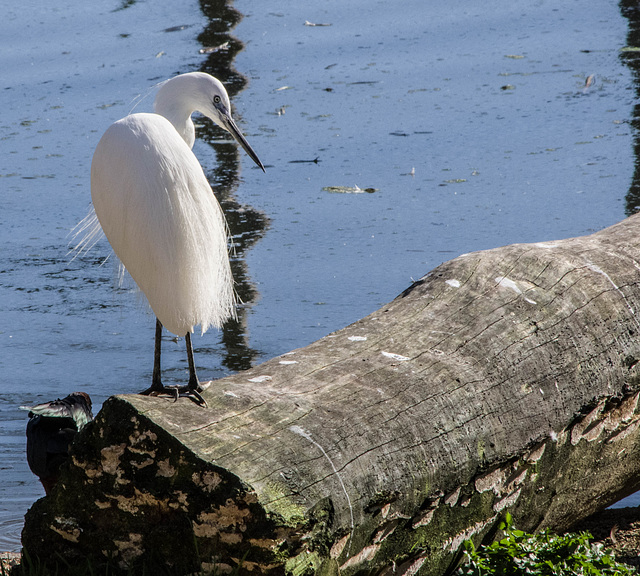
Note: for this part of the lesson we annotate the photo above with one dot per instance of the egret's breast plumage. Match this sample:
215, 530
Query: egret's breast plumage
159, 214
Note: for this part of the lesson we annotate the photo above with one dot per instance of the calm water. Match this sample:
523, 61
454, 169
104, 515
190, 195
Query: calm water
471, 122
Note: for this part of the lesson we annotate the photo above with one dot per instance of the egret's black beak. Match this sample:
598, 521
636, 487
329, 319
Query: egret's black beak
233, 129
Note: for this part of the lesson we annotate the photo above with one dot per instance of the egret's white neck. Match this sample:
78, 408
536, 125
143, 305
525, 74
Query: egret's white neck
175, 103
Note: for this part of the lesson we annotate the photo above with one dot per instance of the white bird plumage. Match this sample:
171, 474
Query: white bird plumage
158, 212
163, 221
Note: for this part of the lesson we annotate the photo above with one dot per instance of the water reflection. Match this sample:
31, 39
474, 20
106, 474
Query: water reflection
630, 55
246, 224
221, 46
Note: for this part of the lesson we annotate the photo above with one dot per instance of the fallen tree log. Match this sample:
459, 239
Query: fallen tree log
503, 380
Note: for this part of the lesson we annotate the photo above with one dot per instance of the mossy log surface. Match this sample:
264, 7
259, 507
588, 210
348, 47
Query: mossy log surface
503, 380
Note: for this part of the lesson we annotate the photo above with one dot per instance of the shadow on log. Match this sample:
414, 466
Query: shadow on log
502, 380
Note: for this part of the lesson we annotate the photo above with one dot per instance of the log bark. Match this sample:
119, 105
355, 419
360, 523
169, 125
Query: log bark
503, 380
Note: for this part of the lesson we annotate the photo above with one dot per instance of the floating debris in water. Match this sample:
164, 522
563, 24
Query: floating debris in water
349, 190
280, 111
508, 87
125, 5
590, 81
212, 49
178, 28
514, 56
283, 88
307, 23
315, 161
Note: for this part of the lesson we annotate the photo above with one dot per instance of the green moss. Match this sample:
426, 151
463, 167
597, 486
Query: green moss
481, 450
304, 564
279, 504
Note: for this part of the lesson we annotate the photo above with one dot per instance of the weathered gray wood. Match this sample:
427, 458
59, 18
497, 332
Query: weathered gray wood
502, 380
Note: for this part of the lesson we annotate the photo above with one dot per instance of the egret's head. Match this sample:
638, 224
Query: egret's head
221, 115
181, 96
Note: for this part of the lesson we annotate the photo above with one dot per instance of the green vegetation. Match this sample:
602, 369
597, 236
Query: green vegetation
543, 554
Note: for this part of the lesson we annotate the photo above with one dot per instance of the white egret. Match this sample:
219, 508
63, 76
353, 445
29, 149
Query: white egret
160, 216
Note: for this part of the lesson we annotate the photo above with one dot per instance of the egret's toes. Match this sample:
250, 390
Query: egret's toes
176, 391
198, 399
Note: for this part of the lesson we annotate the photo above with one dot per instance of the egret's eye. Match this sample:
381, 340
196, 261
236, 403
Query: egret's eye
216, 99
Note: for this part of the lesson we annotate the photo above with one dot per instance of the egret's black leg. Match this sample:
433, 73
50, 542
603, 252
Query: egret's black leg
192, 390
194, 384
156, 380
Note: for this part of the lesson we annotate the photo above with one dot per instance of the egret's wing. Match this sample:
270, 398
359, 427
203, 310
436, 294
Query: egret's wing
162, 220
